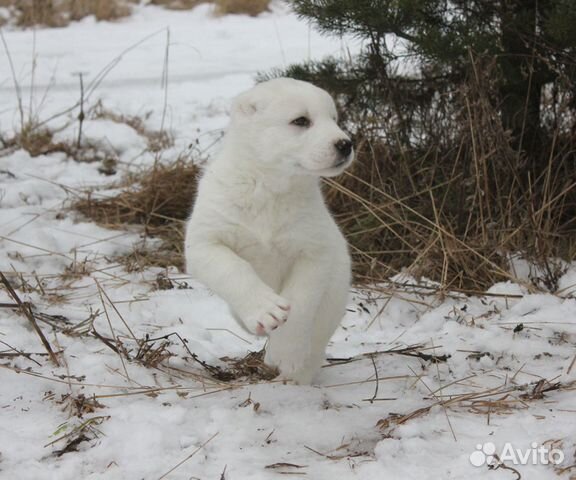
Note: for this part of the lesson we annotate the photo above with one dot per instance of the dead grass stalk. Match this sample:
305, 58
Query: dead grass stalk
159, 199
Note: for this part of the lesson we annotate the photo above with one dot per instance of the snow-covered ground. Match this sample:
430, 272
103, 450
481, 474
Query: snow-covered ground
464, 373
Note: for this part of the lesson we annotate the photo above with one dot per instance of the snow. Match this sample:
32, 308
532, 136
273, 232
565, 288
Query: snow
210, 59
147, 420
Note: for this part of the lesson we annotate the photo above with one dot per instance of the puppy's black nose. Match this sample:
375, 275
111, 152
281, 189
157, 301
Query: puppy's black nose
344, 146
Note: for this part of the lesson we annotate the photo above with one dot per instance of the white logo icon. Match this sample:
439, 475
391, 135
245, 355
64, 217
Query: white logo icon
483, 454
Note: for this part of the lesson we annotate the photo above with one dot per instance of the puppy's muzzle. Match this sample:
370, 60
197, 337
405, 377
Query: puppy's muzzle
344, 147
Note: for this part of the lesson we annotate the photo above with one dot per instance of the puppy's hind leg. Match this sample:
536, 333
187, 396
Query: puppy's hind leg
329, 315
293, 348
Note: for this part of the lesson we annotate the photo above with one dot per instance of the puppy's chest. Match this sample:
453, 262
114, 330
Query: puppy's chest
272, 228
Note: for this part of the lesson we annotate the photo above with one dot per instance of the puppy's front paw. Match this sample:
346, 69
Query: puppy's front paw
264, 313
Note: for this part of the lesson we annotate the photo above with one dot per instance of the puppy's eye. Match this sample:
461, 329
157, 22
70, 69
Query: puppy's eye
301, 122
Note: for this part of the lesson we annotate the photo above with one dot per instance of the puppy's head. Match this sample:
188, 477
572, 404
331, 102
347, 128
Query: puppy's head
292, 126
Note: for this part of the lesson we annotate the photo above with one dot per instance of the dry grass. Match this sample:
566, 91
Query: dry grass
251, 367
492, 401
40, 140
159, 199
59, 13
178, 4
36, 141
222, 7
245, 7
456, 206
157, 140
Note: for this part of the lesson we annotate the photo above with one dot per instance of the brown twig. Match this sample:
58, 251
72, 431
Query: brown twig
371, 400
19, 353
335, 457
8, 305
411, 351
27, 311
81, 115
189, 456
501, 464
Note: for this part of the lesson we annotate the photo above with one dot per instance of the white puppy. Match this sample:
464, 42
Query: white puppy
260, 235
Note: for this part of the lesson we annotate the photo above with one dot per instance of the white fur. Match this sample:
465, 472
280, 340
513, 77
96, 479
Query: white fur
260, 235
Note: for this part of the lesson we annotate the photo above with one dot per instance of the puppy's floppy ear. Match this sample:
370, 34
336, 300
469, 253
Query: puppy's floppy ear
246, 104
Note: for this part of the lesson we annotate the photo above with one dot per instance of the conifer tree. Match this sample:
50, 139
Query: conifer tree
532, 43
